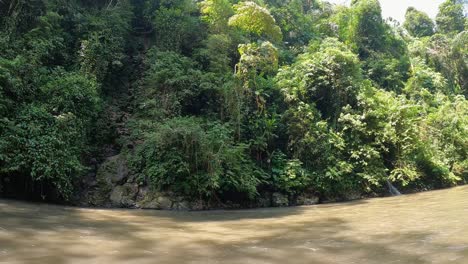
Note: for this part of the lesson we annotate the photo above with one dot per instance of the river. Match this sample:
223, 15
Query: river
429, 227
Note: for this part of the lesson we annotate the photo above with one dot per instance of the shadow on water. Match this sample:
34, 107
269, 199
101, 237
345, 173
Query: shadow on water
49, 234
244, 214
60, 235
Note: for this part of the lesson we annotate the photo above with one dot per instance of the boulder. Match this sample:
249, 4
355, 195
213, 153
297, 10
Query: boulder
279, 200
148, 204
124, 196
264, 200
164, 202
121, 172
352, 195
155, 201
117, 195
143, 192
181, 205
307, 199
111, 174
197, 205
89, 180
113, 171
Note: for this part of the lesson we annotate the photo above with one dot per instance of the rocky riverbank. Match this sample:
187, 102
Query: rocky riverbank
113, 185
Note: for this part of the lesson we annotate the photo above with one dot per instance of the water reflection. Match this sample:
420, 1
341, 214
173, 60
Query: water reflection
422, 228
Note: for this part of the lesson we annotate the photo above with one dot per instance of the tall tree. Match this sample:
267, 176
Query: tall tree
418, 23
216, 13
256, 20
366, 30
451, 18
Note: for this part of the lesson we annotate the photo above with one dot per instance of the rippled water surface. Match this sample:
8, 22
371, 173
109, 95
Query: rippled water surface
427, 227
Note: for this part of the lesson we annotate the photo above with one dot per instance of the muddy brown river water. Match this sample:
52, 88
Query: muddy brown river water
429, 227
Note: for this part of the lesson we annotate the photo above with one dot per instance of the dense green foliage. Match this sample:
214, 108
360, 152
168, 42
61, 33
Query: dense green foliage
451, 18
418, 23
55, 58
231, 99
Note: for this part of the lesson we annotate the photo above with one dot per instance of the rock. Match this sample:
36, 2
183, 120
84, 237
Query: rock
197, 205
164, 202
352, 195
264, 200
154, 201
148, 204
182, 205
89, 180
121, 172
117, 195
307, 199
114, 170
124, 196
111, 174
143, 192
279, 200
132, 178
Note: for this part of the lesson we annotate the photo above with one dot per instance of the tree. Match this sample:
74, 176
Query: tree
448, 124
451, 18
216, 13
257, 65
366, 31
198, 160
381, 49
425, 79
172, 83
329, 76
448, 56
42, 148
418, 23
216, 54
293, 18
176, 26
459, 55
256, 20
257, 60
102, 49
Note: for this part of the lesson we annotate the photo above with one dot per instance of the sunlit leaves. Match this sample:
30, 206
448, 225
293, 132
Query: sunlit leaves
256, 20
216, 13
257, 59
451, 18
330, 77
365, 28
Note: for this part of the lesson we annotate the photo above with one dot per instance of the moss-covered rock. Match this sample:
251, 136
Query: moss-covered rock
279, 200
124, 196
307, 199
114, 170
155, 200
109, 177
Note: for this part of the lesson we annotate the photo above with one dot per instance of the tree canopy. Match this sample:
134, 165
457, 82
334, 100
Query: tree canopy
418, 23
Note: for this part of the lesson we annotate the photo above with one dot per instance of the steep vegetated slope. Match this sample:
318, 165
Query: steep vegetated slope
200, 104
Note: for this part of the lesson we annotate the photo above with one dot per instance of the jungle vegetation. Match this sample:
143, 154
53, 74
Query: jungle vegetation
225, 99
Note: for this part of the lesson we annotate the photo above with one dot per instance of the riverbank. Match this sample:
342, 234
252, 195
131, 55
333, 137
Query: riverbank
114, 185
